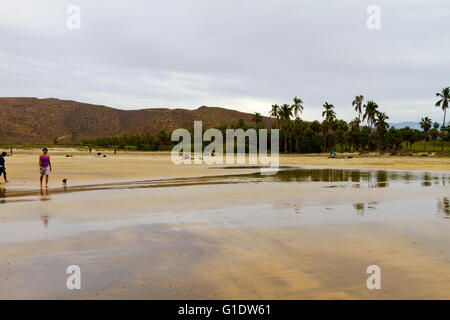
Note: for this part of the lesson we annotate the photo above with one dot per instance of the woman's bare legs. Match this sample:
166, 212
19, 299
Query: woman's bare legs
3, 171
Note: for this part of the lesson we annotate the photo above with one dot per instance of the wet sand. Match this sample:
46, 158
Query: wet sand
140, 227
82, 168
299, 235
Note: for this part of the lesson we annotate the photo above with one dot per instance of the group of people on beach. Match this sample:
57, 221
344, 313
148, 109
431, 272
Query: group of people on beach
45, 166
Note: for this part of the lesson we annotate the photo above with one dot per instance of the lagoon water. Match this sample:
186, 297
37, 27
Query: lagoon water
301, 233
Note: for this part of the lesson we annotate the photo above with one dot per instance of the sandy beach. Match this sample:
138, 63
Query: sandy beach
372, 161
307, 234
82, 168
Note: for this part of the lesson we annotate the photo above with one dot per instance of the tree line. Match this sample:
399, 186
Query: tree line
368, 131
300, 136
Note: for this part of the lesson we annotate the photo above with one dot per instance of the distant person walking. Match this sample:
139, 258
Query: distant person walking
45, 166
90, 150
2, 166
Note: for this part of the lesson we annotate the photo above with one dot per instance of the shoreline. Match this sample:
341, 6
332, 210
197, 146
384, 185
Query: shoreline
85, 169
202, 233
232, 172
267, 240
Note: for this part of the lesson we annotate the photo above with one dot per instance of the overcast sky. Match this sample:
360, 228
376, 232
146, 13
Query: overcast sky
240, 54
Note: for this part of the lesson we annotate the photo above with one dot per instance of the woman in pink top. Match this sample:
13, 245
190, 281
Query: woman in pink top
45, 166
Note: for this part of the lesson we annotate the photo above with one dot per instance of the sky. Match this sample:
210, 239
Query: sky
239, 54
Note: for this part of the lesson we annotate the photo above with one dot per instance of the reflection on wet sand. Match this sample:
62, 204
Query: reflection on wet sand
359, 207
382, 178
45, 219
444, 207
45, 195
372, 205
146, 262
287, 236
358, 178
426, 180
2, 195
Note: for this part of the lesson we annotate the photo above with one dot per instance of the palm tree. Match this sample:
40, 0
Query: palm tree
355, 132
370, 113
329, 116
434, 133
425, 124
382, 126
443, 103
297, 107
299, 127
275, 113
357, 103
285, 114
257, 118
341, 133
315, 126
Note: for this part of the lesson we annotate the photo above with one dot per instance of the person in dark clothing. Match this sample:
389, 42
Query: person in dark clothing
2, 165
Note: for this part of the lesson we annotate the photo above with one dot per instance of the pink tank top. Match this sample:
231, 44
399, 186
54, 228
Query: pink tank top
45, 161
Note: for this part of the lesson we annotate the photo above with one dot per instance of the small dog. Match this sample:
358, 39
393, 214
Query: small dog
64, 182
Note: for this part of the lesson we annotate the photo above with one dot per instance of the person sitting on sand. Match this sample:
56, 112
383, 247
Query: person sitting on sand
2, 166
333, 155
45, 166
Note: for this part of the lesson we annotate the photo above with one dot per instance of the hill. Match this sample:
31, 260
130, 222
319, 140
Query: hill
32, 120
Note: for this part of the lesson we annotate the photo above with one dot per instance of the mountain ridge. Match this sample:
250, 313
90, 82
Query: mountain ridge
34, 120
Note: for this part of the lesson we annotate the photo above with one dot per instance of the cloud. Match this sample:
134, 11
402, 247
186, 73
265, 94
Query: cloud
245, 55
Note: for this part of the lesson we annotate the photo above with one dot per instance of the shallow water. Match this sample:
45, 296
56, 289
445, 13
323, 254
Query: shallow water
301, 233
262, 212
250, 216
354, 178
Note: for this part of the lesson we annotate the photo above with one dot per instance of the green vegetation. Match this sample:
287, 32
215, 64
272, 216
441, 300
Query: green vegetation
335, 134
144, 142
444, 96
298, 136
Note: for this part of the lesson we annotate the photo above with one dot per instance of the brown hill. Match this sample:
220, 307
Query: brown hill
32, 120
